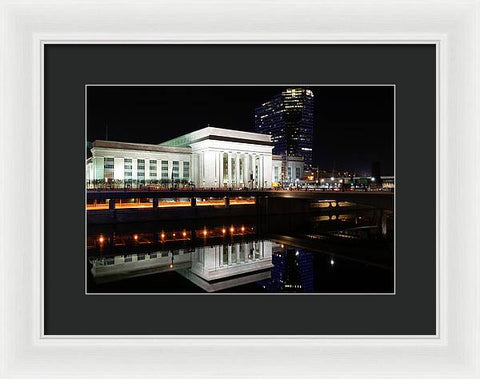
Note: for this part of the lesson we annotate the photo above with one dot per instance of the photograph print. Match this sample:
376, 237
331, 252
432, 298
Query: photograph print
240, 189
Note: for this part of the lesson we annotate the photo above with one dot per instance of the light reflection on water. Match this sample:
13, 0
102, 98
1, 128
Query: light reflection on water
329, 253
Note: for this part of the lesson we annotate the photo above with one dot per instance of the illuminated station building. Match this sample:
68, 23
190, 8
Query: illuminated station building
208, 158
288, 118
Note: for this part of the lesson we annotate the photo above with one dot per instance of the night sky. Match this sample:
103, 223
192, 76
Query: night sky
353, 126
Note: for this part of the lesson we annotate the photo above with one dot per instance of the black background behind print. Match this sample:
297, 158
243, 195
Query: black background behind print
69, 311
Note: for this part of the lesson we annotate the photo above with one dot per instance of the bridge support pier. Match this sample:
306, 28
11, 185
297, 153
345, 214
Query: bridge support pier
227, 201
193, 201
111, 204
155, 203
382, 222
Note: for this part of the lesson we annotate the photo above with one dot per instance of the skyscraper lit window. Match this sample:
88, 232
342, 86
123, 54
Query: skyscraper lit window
288, 118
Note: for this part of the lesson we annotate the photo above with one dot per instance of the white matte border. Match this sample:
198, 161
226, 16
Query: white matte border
453, 25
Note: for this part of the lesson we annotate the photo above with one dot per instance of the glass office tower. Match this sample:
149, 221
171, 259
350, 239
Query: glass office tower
288, 118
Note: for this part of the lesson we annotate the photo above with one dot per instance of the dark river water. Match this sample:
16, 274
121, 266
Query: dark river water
344, 251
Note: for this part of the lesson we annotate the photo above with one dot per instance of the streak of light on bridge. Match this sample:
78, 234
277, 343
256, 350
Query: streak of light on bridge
169, 204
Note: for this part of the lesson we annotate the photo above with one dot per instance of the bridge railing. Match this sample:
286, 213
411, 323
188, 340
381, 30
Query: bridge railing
138, 184
185, 185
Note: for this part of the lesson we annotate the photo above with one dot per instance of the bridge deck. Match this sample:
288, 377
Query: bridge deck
375, 198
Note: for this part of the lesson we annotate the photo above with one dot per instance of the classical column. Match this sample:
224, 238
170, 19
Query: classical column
255, 176
229, 255
220, 178
245, 170
229, 169
251, 168
237, 170
237, 252
260, 172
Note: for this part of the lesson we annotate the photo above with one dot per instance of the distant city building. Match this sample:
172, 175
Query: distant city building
288, 118
376, 171
209, 157
319, 173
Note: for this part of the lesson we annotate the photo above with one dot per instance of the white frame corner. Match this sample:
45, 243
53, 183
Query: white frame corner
453, 26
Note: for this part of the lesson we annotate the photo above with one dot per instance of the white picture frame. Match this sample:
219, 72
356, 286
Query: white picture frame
452, 25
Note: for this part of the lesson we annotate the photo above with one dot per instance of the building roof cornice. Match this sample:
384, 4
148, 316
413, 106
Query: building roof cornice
139, 146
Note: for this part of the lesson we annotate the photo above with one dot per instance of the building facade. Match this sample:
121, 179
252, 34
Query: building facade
286, 170
209, 157
288, 118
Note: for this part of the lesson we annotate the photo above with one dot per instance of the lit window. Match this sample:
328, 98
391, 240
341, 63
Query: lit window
186, 170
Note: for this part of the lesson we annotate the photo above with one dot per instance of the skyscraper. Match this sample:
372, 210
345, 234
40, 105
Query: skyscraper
288, 118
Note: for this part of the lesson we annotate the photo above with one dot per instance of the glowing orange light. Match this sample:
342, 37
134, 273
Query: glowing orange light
101, 239
171, 266
243, 228
232, 229
204, 232
173, 234
224, 230
135, 237
184, 234
163, 235
283, 245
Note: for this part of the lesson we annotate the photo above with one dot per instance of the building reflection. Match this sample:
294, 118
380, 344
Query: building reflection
212, 268
241, 256
292, 271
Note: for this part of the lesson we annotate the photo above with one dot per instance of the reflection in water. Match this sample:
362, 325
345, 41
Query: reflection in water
201, 265
341, 252
292, 272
